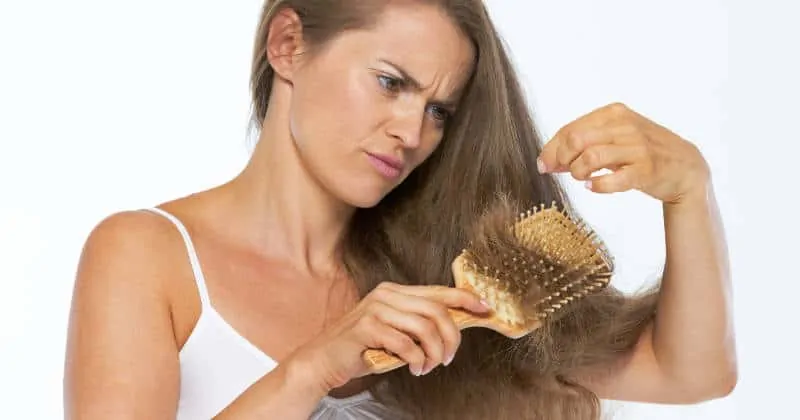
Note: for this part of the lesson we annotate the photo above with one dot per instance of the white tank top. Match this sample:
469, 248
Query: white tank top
217, 363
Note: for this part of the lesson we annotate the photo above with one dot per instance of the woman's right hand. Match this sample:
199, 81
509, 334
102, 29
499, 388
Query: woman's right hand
411, 322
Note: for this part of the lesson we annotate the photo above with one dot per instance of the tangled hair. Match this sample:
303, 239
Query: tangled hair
489, 148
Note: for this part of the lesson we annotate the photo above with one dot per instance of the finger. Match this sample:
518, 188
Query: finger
577, 142
600, 157
622, 180
576, 133
451, 297
432, 301
569, 142
400, 345
424, 330
435, 311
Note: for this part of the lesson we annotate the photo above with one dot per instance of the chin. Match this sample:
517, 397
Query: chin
359, 189
362, 201
362, 196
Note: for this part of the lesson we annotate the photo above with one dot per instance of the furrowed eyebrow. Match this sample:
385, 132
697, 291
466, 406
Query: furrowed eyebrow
449, 103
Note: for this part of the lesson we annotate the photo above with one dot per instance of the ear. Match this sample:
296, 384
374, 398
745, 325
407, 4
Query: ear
285, 42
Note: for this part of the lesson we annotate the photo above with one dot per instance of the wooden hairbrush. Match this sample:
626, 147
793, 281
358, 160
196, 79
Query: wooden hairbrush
528, 268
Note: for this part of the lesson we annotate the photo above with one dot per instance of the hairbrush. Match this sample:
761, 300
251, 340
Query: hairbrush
528, 267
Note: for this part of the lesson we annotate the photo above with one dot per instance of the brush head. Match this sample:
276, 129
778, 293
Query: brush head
529, 267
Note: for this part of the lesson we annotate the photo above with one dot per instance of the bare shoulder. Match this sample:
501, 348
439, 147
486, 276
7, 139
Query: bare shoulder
126, 231
121, 356
130, 249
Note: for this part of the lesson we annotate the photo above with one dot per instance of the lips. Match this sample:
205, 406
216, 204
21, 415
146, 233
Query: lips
389, 160
388, 166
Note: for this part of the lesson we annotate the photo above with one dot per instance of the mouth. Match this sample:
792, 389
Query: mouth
388, 166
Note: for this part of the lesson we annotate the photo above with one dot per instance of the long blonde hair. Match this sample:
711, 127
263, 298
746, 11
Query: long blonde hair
489, 148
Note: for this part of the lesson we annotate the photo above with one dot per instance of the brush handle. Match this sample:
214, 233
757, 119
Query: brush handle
379, 361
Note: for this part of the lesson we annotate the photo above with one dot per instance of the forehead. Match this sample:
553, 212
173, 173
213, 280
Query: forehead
422, 39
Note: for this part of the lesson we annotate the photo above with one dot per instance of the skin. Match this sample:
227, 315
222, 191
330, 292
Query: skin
688, 354
277, 225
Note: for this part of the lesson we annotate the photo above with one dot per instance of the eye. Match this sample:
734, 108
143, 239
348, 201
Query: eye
390, 84
439, 113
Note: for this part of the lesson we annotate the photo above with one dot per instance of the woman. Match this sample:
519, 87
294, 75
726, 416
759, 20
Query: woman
386, 128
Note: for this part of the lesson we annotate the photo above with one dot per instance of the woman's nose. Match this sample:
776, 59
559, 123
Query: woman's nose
407, 124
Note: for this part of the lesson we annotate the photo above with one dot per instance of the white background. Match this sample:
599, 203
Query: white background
106, 106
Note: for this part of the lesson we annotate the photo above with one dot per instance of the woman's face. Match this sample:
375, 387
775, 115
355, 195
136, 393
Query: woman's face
372, 105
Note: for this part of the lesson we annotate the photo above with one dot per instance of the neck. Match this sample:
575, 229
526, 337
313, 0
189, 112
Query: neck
288, 214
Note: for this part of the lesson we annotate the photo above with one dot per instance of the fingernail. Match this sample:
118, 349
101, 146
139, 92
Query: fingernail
588, 185
416, 372
541, 166
449, 360
485, 304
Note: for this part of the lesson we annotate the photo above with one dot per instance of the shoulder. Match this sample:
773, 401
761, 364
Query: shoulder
121, 350
127, 227
130, 246
133, 234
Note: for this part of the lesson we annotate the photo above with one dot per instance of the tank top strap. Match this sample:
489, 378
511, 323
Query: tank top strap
193, 260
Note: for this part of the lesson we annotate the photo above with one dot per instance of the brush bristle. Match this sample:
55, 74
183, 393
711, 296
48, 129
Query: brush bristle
530, 266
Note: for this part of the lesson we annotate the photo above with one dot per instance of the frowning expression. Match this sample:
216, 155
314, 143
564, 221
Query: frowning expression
372, 105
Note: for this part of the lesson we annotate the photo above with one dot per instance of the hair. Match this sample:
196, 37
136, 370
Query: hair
489, 149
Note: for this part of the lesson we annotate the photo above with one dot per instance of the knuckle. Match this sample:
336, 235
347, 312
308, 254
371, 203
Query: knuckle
574, 140
579, 171
369, 322
440, 311
618, 108
384, 286
592, 158
405, 344
603, 184
629, 180
428, 329
442, 289
561, 133
372, 312
380, 293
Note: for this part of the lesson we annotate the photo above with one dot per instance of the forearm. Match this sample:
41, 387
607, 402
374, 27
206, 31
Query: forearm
693, 336
287, 392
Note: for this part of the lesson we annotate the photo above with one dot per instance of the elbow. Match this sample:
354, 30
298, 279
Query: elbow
727, 384
723, 388
726, 380
699, 390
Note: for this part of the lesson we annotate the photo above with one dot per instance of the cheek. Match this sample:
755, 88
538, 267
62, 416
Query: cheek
426, 150
332, 112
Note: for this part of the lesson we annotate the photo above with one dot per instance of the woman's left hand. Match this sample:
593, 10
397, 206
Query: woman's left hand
640, 154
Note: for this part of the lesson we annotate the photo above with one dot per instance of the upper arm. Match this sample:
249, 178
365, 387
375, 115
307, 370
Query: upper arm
121, 359
636, 377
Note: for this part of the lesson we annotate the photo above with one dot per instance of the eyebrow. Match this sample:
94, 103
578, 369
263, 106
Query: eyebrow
448, 103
